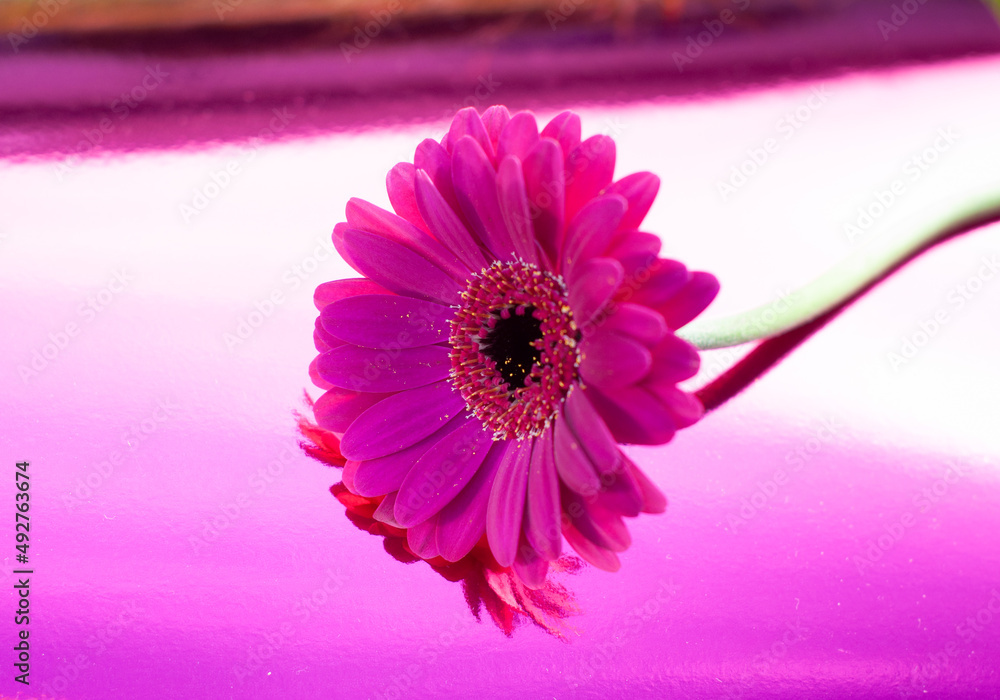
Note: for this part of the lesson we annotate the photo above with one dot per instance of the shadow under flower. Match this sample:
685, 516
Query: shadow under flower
486, 585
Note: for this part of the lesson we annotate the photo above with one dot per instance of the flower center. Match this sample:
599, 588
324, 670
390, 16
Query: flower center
512, 343
514, 348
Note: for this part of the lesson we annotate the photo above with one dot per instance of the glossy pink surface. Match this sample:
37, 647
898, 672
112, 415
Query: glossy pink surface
831, 532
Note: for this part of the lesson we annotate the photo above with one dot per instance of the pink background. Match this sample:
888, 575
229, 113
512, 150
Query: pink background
746, 587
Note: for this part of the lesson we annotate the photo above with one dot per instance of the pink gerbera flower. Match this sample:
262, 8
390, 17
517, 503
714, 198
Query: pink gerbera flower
511, 327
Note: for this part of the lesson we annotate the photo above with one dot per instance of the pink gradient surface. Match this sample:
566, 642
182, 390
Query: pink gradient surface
184, 547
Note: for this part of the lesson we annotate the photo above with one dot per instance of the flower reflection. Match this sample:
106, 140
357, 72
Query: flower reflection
487, 586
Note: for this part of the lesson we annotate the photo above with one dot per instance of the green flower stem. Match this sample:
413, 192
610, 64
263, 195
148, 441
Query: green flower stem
994, 5
857, 272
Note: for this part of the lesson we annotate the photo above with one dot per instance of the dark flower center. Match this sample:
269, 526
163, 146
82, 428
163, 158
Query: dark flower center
513, 344
513, 349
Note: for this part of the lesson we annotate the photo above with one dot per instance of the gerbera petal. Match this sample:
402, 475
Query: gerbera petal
365, 216
513, 200
401, 420
314, 372
542, 514
636, 321
633, 415
668, 277
329, 292
640, 190
432, 158
462, 523
611, 526
590, 231
385, 474
384, 511
372, 369
399, 183
506, 505
544, 184
674, 360
439, 475
474, 178
564, 128
603, 559
653, 500
598, 524
323, 340
572, 461
635, 245
445, 224
609, 360
468, 123
347, 475
518, 137
400, 269
422, 538
387, 321
691, 300
684, 408
621, 493
592, 432
338, 242
589, 168
495, 118
337, 408
530, 567
594, 285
